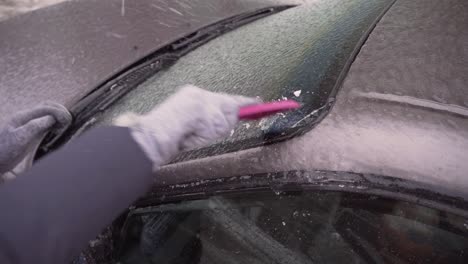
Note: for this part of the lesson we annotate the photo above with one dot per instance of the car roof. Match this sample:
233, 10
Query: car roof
62, 52
401, 111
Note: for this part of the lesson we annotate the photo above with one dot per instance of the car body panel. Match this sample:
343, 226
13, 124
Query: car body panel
401, 112
63, 52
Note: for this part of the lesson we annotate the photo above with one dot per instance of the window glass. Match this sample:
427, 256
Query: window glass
328, 227
298, 53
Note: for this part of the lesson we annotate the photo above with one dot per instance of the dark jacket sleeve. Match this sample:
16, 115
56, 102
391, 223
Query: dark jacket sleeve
50, 213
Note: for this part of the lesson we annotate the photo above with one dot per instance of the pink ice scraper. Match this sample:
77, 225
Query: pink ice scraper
257, 111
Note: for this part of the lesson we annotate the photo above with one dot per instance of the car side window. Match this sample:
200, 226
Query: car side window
321, 227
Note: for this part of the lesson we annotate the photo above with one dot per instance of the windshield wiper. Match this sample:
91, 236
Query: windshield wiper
105, 95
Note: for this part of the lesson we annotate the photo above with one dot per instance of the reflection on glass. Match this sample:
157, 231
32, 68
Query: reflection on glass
307, 228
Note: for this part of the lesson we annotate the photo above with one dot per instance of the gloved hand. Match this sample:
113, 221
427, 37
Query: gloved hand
188, 119
25, 127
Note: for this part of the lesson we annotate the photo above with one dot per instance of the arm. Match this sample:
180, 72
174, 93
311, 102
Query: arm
67, 198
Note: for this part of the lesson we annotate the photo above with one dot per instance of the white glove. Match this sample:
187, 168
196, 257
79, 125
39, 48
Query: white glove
189, 119
26, 127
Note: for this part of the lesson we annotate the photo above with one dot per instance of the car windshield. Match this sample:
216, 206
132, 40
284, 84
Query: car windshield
299, 53
306, 227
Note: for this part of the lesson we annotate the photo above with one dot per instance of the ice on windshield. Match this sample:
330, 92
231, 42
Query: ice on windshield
296, 54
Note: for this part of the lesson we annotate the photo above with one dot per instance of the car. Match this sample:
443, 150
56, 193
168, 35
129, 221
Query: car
371, 169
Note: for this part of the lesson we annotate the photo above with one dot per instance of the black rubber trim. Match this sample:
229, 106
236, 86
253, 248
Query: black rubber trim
105, 95
428, 195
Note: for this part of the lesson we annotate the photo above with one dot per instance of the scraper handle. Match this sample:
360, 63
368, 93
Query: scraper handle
257, 111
